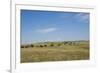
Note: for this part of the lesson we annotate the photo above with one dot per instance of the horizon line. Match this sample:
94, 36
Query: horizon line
51, 41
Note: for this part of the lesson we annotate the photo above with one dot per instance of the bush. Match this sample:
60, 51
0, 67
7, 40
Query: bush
22, 46
65, 43
59, 44
45, 45
31, 45
52, 45
41, 45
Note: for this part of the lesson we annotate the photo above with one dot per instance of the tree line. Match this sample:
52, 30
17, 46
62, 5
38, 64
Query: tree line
50, 45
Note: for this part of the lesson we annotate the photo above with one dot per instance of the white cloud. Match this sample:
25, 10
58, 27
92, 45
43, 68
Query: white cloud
46, 30
82, 17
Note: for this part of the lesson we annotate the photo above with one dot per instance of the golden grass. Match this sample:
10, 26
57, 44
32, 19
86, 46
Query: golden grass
55, 53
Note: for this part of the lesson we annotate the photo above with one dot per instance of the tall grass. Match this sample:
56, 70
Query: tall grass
55, 52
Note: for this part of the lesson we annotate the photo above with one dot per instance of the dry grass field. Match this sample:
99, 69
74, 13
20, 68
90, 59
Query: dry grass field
55, 51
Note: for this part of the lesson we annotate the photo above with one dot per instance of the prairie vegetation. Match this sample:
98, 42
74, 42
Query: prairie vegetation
55, 51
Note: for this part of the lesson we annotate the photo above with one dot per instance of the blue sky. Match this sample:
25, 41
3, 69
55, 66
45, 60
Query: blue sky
38, 26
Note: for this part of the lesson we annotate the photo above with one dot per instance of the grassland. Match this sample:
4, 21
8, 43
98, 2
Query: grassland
55, 51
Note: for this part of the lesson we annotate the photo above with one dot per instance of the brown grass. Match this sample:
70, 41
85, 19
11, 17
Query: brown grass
55, 53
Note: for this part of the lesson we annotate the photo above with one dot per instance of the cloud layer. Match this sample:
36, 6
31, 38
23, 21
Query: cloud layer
46, 30
83, 17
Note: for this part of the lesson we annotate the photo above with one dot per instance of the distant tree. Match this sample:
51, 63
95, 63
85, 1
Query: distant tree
52, 45
45, 45
59, 44
41, 45
22, 46
31, 45
65, 43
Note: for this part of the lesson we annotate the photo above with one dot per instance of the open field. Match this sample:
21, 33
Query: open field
55, 51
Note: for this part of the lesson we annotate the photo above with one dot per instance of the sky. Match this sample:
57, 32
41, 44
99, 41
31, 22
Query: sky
41, 26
